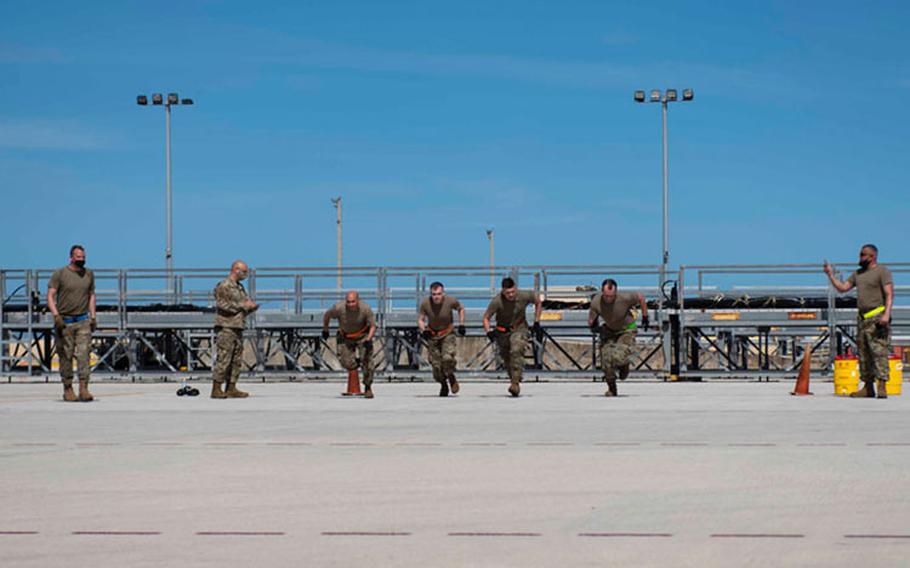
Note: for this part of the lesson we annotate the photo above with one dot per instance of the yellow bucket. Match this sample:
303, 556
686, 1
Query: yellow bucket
846, 374
895, 375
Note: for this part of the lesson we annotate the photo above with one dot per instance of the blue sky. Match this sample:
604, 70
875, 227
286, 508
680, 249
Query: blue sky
436, 120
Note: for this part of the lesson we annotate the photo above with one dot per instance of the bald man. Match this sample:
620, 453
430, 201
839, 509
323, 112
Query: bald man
232, 307
356, 328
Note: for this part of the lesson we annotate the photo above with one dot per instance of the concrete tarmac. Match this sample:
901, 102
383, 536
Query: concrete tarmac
712, 474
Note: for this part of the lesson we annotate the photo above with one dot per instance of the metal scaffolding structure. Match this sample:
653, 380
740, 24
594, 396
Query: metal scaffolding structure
156, 325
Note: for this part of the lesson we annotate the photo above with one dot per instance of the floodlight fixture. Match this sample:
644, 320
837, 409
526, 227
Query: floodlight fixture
159, 100
665, 98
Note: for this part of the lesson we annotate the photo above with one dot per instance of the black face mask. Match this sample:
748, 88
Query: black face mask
79, 263
864, 264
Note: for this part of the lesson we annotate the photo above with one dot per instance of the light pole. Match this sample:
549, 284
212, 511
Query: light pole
491, 234
336, 201
159, 100
665, 98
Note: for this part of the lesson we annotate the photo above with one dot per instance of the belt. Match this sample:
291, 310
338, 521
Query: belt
75, 319
616, 332
356, 334
874, 312
503, 328
441, 332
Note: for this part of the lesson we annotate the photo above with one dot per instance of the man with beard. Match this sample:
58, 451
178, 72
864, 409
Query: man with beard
356, 328
232, 307
874, 299
71, 299
511, 332
436, 325
618, 330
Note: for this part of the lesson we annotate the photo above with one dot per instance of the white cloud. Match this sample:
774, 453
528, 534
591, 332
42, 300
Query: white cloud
45, 134
12, 53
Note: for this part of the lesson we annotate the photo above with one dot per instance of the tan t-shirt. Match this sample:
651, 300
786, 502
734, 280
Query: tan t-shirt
74, 289
870, 287
510, 313
353, 321
616, 315
439, 316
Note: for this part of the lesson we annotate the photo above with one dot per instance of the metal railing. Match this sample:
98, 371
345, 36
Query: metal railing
748, 320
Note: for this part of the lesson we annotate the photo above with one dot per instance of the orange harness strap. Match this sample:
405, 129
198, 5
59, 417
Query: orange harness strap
441, 332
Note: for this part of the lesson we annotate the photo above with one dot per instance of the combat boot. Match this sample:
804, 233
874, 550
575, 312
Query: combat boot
865, 391
368, 390
68, 394
234, 392
611, 388
216, 390
623, 372
882, 389
84, 395
453, 385
443, 388
514, 389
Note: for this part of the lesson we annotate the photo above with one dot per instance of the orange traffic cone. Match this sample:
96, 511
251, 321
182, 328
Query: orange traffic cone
802, 381
353, 384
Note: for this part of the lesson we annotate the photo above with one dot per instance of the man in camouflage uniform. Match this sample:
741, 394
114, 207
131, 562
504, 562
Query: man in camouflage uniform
232, 305
436, 325
511, 332
356, 328
874, 299
618, 330
71, 299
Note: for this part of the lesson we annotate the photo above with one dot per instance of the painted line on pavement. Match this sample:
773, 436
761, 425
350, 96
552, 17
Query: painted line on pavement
240, 533
756, 535
878, 536
496, 534
364, 533
626, 535
116, 533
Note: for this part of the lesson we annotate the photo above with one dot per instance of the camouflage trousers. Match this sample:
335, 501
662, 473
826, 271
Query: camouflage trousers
229, 357
354, 354
616, 353
874, 346
511, 347
75, 341
441, 353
